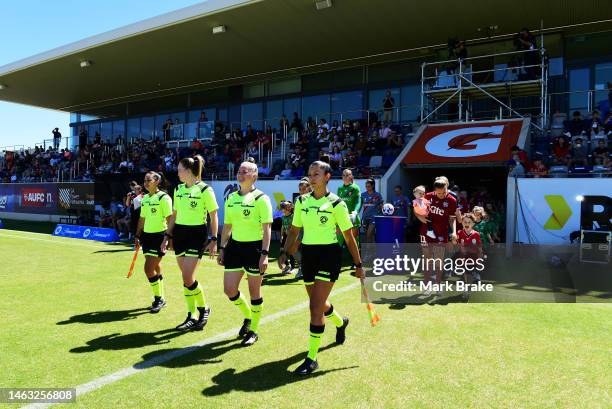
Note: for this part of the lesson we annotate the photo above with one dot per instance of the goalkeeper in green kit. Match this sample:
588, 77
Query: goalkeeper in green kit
350, 193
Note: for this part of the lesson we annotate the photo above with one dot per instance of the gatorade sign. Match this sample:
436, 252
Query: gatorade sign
467, 142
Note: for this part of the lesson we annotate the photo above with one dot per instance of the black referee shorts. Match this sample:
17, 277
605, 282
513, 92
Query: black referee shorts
321, 262
242, 255
189, 241
151, 244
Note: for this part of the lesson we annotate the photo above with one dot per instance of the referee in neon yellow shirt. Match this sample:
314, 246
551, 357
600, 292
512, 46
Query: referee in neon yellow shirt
245, 241
318, 213
155, 211
193, 201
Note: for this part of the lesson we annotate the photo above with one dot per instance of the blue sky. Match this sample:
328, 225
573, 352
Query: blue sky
34, 26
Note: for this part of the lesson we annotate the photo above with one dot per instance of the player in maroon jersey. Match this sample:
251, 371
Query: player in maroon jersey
442, 209
470, 248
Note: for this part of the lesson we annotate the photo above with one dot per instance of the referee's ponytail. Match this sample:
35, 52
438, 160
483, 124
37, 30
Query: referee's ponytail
194, 164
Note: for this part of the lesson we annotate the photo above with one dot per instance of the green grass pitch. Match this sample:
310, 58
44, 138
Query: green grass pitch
71, 318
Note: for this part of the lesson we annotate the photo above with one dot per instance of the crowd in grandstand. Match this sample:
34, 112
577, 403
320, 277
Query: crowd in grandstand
368, 147
350, 144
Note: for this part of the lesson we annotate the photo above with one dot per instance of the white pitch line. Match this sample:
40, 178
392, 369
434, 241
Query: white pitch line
125, 372
68, 243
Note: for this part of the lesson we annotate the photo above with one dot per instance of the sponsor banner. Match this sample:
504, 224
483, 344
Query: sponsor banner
7, 199
396, 274
86, 233
549, 210
277, 191
470, 142
36, 198
46, 198
76, 196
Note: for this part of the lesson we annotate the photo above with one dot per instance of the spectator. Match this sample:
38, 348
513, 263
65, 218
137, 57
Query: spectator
286, 173
57, 138
335, 158
263, 169
400, 202
579, 152
284, 122
560, 150
388, 105
166, 129
608, 124
296, 123
83, 138
349, 160
323, 125
538, 169
601, 150
516, 169
518, 153
576, 125
595, 124
196, 144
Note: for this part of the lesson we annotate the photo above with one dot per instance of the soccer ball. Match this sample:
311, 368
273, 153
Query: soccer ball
388, 209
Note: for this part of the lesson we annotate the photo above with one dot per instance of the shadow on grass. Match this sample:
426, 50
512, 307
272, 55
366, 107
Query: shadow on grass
128, 249
98, 317
263, 377
189, 356
280, 279
117, 341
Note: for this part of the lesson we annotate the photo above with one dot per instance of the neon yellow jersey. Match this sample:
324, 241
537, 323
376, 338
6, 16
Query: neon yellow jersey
155, 209
246, 214
192, 204
320, 217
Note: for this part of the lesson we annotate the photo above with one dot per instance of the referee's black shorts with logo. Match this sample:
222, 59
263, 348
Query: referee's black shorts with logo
189, 241
242, 255
321, 262
151, 244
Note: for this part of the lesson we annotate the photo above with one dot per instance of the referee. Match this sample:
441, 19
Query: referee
245, 242
318, 213
156, 209
193, 201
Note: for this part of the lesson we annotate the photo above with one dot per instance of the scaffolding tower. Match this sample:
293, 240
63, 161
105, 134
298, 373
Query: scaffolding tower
450, 88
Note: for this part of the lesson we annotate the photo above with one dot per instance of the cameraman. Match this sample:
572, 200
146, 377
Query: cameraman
456, 51
526, 42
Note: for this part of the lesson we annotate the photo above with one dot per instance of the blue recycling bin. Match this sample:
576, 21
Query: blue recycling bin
390, 229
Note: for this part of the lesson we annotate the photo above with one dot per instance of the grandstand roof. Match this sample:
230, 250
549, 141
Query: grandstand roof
177, 52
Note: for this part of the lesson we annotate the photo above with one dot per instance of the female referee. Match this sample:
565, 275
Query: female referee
155, 211
245, 241
318, 213
193, 200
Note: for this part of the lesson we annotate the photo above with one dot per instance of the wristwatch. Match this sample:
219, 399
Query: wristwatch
214, 238
264, 252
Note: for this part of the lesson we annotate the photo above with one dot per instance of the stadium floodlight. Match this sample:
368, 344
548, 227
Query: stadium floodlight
580, 198
325, 4
85, 63
218, 29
